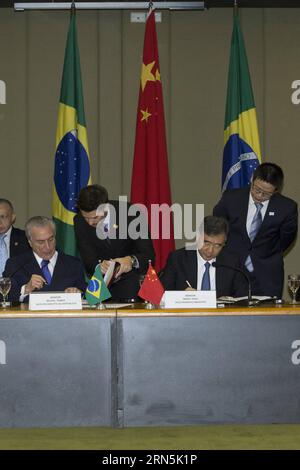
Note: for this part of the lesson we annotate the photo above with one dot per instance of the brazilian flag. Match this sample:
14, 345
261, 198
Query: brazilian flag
96, 290
72, 164
241, 141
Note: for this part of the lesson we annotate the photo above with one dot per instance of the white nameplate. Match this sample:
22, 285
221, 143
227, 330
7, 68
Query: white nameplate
190, 299
55, 301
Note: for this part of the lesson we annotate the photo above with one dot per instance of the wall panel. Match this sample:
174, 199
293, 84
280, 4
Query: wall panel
194, 56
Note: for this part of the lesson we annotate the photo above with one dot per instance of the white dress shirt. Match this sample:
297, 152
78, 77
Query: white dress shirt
7, 240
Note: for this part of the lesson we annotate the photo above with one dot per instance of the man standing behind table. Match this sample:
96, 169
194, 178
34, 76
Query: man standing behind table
43, 268
13, 241
206, 267
132, 254
262, 226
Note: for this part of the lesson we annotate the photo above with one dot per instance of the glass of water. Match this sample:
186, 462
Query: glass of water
293, 285
5, 285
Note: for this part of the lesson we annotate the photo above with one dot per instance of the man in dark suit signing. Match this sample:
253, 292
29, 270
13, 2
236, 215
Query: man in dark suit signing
206, 266
12, 240
43, 268
102, 230
263, 224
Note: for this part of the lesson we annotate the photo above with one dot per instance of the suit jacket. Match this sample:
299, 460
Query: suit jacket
92, 249
277, 232
182, 265
68, 272
18, 242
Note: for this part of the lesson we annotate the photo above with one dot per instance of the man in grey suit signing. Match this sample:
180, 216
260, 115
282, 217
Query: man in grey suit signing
262, 226
206, 266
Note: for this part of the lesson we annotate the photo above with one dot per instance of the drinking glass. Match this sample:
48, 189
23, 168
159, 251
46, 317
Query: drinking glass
5, 285
293, 285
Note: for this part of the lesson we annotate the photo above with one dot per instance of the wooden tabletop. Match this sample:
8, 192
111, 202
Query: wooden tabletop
138, 310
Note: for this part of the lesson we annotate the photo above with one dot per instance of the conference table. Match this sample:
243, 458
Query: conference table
129, 366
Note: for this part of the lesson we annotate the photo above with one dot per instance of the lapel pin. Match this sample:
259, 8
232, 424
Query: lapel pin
271, 213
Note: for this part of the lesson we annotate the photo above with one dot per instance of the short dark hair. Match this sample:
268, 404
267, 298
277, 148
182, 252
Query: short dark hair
6, 201
91, 197
270, 173
214, 225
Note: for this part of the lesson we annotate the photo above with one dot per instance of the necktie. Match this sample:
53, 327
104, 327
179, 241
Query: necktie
254, 228
3, 253
45, 271
106, 230
205, 285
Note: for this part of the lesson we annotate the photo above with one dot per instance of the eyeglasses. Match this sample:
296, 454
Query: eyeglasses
258, 191
208, 244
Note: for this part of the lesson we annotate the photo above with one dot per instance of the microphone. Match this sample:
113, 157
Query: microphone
250, 301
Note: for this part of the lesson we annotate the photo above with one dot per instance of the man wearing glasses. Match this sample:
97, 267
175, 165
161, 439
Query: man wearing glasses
262, 225
207, 266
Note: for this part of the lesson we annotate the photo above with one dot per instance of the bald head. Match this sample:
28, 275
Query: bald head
7, 215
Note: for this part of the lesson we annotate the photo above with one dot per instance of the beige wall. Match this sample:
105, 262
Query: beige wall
194, 53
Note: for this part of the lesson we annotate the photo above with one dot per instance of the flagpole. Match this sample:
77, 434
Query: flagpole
235, 7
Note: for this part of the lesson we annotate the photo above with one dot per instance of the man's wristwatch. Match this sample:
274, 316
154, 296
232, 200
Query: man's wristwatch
134, 262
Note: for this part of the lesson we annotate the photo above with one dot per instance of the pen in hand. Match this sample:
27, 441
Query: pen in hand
189, 285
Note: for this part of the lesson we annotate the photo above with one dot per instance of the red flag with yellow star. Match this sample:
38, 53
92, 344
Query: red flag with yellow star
151, 289
150, 174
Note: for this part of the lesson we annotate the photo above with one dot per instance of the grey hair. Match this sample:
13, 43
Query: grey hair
6, 201
38, 221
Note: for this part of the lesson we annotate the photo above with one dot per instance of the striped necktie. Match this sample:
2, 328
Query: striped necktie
254, 228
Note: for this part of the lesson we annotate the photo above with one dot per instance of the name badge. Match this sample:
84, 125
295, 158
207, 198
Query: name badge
190, 299
55, 301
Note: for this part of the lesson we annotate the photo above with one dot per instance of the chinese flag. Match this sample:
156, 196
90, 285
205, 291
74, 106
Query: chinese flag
151, 289
150, 175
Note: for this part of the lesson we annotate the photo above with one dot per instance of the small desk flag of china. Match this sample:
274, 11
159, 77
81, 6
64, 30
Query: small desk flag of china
96, 290
151, 289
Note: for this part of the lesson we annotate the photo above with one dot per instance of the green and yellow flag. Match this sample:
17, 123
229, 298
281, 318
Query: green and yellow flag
96, 290
72, 164
241, 140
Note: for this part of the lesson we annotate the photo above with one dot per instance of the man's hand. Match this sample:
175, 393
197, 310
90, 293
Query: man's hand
72, 290
125, 265
104, 265
36, 282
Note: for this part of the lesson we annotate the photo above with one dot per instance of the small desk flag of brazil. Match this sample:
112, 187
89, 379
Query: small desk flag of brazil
72, 164
96, 290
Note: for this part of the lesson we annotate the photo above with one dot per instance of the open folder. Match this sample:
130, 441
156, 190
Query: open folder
110, 275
